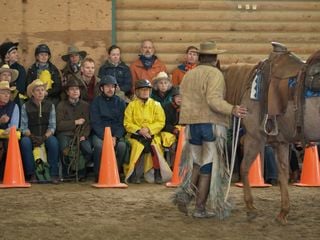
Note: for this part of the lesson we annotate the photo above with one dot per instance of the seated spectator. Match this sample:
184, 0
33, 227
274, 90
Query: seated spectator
270, 166
147, 66
162, 88
144, 119
73, 59
73, 130
114, 66
9, 117
9, 55
38, 124
107, 110
170, 132
89, 83
10, 75
191, 60
43, 55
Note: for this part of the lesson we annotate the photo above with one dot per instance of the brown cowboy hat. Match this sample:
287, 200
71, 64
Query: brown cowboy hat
33, 85
14, 72
73, 50
210, 47
6, 86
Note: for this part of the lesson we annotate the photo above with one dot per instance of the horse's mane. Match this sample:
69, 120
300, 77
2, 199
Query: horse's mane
238, 78
314, 58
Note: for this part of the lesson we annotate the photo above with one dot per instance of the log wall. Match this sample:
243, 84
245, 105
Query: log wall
244, 28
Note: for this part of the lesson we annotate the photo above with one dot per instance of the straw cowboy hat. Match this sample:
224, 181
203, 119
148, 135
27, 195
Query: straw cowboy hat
160, 76
210, 48
6, 86
73, 50
14, 72
36, 83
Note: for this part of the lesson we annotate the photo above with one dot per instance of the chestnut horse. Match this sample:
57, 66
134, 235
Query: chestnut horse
297, 121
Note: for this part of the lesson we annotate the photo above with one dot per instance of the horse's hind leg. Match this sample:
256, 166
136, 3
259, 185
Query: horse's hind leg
252, 147
282, 156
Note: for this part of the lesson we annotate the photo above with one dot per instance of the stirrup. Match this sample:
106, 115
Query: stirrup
275, 130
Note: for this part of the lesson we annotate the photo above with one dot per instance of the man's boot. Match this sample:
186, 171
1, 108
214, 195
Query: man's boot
184, 197
138, 170
201, 197
157, 176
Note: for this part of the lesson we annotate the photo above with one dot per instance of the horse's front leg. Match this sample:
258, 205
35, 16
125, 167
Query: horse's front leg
282, 156
251, 150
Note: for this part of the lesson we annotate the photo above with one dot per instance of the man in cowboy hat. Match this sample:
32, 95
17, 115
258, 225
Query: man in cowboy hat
9, 117
207, 115
9, 55
73, 129
73, 59
38, 124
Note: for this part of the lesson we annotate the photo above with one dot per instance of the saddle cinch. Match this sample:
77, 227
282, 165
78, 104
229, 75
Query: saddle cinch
283, 65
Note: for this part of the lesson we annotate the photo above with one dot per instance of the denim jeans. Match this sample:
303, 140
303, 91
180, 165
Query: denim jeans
202, 132
97, 145
270, 164
85, 146
52, 148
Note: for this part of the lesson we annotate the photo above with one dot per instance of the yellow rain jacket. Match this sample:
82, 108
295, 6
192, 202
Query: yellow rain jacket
150, 114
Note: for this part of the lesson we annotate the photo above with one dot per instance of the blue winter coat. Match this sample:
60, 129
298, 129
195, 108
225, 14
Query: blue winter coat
107, 112
121, 73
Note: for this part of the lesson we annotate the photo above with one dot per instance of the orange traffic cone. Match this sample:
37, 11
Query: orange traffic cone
13, 172
108, 174
176, 179
310, 175
255, 176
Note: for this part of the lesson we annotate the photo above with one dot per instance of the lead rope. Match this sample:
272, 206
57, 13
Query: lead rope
235, 137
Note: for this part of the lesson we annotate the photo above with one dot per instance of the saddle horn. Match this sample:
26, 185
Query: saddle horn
279, 47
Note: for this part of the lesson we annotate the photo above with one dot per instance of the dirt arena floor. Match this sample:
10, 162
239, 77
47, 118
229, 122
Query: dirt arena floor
79, 211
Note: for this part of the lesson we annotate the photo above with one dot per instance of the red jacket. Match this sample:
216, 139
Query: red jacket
139, 72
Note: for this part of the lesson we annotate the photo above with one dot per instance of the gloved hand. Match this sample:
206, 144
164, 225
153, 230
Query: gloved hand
37, 140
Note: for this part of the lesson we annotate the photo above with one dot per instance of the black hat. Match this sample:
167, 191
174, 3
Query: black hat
72, 82
143, 83
42, 48
108, 79
7, 47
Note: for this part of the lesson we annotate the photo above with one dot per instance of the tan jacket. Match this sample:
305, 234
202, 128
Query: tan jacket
203, 90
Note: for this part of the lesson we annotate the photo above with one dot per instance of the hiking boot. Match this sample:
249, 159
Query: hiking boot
32, 178
55, 180
157, 176
134, 178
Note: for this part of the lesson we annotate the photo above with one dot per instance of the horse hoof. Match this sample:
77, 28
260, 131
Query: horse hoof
251, 215
282, 220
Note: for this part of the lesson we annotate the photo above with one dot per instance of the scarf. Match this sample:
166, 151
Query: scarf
147, 61
189, 66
